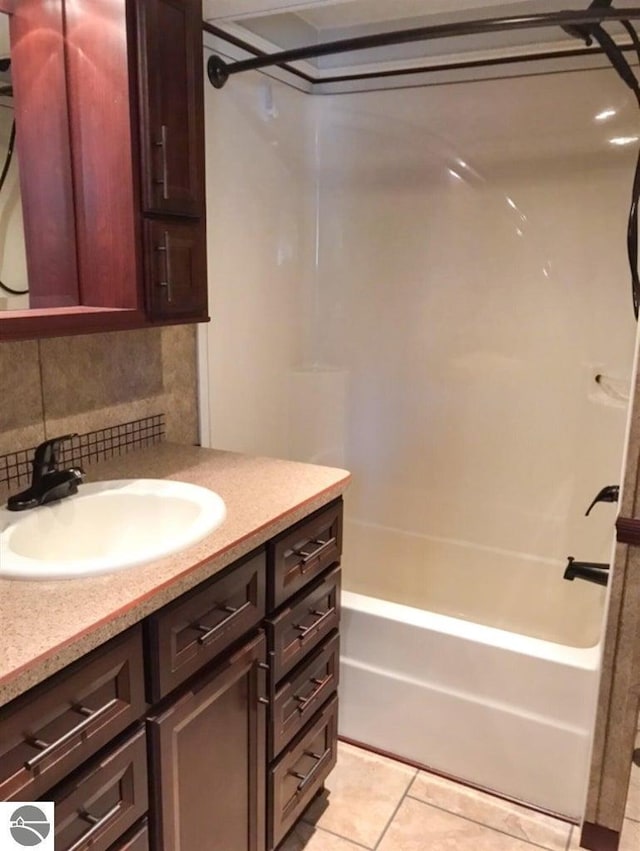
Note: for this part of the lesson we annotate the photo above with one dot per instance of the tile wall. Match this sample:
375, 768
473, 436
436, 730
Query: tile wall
79, 384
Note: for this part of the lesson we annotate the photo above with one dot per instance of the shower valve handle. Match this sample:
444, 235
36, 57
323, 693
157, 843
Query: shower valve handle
610, 493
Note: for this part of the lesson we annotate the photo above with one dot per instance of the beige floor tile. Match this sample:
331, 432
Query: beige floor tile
630, 839
574, 844
365, 790
420, 827
304, 837
491, 811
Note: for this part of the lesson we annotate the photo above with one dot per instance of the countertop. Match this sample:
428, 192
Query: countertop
47, 625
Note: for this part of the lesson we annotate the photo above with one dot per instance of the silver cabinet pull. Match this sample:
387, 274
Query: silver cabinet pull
308, 556
164, 174
165, 248
96, 826
48, 749
306, 702
307, 631
308, 777
209, 632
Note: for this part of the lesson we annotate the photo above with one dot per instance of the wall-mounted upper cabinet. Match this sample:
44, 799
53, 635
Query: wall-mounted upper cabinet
171, 101
110, 139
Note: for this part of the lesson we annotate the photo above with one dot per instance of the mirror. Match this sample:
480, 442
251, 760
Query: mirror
13, 262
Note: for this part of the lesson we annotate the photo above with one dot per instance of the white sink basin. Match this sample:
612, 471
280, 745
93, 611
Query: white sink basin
106, 527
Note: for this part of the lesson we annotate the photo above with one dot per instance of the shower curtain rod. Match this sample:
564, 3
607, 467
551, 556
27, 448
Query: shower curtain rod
219, 71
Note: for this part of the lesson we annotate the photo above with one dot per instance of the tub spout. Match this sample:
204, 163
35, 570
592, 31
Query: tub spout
590, 571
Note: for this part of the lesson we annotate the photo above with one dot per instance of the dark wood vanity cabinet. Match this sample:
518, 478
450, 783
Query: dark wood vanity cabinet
210, 726
207, 759
303, 590
101, 802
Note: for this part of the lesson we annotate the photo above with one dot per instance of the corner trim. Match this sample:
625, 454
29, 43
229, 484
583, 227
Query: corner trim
628, 531
598, 838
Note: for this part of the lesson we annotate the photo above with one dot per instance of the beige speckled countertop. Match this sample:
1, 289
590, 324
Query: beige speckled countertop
47, 625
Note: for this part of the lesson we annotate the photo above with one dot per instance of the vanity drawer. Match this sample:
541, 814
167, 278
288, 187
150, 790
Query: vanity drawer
303, 693
303, 552
306, 622
301, 771
137, 839
52, 729
187, 634
99, 804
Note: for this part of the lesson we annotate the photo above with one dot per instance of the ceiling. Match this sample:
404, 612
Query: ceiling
274, 25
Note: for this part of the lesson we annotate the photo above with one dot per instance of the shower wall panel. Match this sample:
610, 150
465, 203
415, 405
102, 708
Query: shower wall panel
473, 282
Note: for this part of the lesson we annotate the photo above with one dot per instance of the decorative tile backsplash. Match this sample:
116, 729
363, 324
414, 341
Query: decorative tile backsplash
15, 467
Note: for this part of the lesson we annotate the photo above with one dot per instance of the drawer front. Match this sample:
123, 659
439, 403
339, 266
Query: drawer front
95, 808
137, 839
187, 634
304, 624
53, 729
301, 771
303, 552
303, 694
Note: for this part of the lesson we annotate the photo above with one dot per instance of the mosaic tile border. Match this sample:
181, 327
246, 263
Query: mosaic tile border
15, 467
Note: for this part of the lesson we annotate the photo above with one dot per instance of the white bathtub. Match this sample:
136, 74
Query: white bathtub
499, 710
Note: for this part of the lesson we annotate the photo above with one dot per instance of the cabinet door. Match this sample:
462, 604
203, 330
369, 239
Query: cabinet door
208, 760
172, 106
176, 269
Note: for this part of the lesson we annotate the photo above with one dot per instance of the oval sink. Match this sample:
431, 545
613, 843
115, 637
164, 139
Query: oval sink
106, 527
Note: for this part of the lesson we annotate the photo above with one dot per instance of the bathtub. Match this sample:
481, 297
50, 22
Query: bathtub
500, 710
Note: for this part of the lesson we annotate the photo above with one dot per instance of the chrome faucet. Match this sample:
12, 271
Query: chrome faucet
48, 483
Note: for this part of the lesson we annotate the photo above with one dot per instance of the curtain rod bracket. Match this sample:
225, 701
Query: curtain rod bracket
217, 71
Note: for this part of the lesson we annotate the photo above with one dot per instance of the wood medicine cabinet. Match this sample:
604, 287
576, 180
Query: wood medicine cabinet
108, 98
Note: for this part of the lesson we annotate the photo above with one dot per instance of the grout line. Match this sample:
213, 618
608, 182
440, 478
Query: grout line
395, 812
631, 818
338, 836
433, 772
570, 837
483, 824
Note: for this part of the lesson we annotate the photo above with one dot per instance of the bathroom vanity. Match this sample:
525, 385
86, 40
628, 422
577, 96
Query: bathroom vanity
209, 718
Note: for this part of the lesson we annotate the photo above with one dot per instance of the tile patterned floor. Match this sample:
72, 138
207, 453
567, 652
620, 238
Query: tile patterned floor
378, 804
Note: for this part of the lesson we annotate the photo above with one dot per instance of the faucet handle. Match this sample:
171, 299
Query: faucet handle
45, 459
610, 493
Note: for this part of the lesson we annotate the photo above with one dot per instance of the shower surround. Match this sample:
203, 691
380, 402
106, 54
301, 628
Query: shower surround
436, 278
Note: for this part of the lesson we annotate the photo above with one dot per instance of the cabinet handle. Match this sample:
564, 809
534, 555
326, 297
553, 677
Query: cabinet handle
165, 249
90, 717
96, 826
307, 557
308, 777
164, 179
210, 631
307, 631
305, 702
